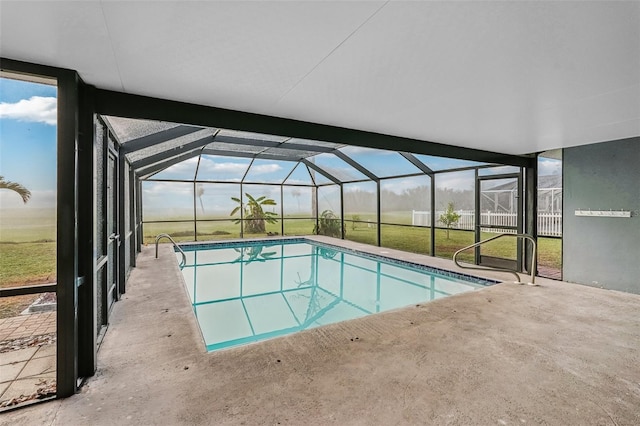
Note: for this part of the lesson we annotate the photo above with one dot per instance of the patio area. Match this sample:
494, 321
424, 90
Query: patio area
557, 353
27, 358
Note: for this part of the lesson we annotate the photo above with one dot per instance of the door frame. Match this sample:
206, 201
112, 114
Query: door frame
112, 235
494, 261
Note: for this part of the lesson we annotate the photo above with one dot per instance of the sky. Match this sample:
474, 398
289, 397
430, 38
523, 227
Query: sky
28, 141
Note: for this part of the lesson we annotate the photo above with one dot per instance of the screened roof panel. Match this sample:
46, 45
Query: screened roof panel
314, 143
185, 170
337, 167
171, 144
128, 129
224, 146
218, 168
300, 175
443, 163
319, 178
498, 170
269, 171
380, 162
249, 135
293, 153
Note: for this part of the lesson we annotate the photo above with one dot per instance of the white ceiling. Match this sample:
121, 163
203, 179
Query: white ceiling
512, 77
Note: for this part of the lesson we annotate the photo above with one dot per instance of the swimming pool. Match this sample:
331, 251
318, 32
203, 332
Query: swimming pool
249, 291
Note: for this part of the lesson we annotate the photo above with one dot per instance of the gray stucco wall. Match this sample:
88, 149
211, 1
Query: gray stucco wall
600, 251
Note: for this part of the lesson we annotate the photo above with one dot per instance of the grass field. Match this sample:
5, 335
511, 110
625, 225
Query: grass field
27, 253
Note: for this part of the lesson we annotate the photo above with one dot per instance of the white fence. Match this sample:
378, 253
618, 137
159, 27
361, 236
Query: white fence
549, 224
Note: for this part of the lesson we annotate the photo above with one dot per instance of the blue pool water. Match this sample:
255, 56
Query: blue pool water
251, 291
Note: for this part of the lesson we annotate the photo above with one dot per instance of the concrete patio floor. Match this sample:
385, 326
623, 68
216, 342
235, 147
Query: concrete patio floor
557, 354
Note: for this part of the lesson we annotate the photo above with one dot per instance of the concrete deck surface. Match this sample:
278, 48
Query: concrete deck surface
556, 354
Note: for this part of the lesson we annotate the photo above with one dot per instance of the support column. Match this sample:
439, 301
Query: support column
122, 231
87, 251
378, 211
531, 209
67, 234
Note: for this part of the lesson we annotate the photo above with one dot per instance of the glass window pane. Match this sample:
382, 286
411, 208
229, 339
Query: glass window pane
498, 170
407, 238
179, 231
213, 200
185, 170
266, 214
224, 169
329, 199
300, 175
401, 198
360, 211
360, 199
319, 178
337, 167
217, 230
167, 201
550, 214
381, 163
443, 163
272, 171
500, 196
297, 201
457, 188
299, 226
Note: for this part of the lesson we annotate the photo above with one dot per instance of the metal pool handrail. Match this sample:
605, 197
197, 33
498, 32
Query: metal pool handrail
184, 256
490, 268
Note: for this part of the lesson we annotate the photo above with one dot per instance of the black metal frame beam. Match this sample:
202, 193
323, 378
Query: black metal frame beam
359, 167
272, 144
255, 155
416, 162
143, 107
25, 290
173, 152
155, 168
320, 170
157, 138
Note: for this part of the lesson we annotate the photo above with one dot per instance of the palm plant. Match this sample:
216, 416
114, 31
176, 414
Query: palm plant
255, 218
328, 224
16, 187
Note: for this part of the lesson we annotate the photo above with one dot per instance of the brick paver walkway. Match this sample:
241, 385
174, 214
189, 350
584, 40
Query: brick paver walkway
28, 371
27, 325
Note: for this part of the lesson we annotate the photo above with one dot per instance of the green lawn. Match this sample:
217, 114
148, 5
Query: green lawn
27, 253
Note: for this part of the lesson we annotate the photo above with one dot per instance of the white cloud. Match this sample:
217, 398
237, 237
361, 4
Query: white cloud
549, 166
212, 166
265, 168
37, 108
456, 181
185, 167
